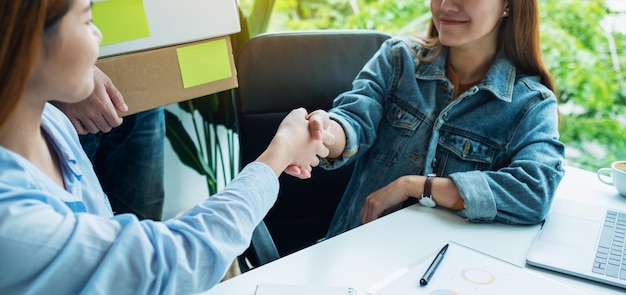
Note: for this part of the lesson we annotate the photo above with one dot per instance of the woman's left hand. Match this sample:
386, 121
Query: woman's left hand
385, 198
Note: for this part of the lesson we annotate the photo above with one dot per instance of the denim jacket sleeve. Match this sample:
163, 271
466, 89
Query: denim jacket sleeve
360, 110
522, 191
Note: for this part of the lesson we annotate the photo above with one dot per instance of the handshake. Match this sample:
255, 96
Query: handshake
300, 140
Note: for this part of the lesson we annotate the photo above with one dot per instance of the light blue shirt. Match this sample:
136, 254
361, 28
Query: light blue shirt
67, 241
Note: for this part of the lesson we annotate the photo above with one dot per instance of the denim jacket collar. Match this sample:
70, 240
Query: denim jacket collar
499, 80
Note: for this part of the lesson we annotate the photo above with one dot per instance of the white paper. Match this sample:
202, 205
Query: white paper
280, 289
467, 271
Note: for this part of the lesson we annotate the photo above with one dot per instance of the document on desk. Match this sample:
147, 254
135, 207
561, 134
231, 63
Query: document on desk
466, 271
280, 289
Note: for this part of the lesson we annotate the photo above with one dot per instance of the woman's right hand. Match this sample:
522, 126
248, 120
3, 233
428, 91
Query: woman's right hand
319, 128
294, 146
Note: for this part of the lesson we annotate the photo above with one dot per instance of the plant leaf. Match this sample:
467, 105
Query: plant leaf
182, 144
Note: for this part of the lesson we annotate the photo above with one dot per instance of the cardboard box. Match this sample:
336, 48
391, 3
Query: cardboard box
162, 76
137, 25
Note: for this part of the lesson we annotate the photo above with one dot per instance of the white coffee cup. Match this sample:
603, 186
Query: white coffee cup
615, 176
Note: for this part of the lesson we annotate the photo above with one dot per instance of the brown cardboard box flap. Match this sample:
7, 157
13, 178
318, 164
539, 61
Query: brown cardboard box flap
153, 78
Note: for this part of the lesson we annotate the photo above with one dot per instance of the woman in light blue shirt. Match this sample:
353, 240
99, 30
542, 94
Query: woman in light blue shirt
57, 232
464, 118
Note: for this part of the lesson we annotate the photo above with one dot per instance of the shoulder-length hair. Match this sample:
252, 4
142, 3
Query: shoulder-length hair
24, 25
518, 38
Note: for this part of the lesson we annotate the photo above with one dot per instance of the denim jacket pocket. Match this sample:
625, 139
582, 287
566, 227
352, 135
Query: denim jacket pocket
400, 117
462, 153
395, 133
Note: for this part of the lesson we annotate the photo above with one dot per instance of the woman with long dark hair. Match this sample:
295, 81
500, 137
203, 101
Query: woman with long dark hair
58, 234
464, 118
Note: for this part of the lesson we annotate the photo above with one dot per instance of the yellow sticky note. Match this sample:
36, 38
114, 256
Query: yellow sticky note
120, 20
203, 63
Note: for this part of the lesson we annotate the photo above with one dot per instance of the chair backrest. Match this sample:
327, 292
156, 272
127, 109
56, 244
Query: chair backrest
277, 73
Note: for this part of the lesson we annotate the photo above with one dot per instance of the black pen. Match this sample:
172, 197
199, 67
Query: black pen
433, 266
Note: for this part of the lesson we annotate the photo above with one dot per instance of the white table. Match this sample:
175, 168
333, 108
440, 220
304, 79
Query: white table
363, 256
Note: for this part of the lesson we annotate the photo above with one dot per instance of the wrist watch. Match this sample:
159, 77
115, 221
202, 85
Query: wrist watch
427, 198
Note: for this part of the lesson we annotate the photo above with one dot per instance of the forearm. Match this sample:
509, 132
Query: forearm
444, 191
121, 254
275, 156
336, 149
514, 196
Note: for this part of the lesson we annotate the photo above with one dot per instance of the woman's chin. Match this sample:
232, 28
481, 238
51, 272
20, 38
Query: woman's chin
85, 91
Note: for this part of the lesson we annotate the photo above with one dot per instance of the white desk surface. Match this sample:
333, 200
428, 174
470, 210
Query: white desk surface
363, 256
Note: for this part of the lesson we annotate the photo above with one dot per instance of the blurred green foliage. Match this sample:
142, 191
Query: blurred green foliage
586, 59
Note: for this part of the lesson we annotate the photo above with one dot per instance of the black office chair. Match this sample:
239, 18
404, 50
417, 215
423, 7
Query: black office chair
277, 73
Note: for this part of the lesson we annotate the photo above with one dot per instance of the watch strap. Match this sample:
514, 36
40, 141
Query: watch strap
427, 192
428, 186
427, 197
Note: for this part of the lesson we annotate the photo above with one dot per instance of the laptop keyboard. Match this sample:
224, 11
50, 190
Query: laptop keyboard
611, 256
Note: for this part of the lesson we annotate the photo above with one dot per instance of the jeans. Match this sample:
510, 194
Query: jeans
129, 162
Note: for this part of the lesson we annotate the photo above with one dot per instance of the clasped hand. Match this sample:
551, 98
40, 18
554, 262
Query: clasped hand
98, 112
318, 129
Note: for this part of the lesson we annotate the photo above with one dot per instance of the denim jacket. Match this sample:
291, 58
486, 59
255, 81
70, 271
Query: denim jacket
498, 141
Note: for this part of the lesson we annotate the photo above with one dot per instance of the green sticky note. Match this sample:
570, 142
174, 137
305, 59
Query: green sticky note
203, 63
120, 20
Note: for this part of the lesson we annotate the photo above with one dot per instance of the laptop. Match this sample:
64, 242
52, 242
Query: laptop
582, 240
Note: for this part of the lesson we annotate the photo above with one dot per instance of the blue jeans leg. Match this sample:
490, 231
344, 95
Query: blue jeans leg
129, 162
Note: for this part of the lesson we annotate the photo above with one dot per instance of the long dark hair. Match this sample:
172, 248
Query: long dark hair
24, 25
518, 38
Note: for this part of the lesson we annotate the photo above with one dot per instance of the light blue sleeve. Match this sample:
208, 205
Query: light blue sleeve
48, 249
